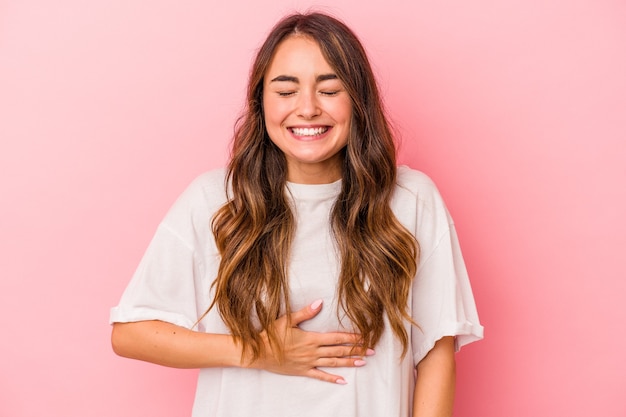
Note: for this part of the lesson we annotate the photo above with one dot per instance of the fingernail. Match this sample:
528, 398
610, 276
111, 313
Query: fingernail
341, 381
370, 352
359, 362
316, 304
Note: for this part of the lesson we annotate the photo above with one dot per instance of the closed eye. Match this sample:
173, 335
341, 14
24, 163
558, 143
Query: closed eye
329, 93
285, 93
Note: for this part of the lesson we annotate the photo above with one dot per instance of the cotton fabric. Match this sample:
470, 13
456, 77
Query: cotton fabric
173, 280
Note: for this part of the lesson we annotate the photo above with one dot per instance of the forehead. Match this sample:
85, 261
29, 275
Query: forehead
298, 54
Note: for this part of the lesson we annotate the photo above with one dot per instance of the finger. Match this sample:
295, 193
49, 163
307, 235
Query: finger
306, 313
343, 352
340, 362
338, 338
325, 376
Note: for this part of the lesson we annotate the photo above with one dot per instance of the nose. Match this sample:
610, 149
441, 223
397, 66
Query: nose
307, 105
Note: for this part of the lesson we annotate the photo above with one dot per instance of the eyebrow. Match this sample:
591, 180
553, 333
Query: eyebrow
292, 79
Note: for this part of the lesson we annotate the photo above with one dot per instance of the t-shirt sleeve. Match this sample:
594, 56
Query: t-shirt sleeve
169, 283
162, 287
442, 299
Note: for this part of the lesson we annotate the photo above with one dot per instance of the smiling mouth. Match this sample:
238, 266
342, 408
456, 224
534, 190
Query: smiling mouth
308, 131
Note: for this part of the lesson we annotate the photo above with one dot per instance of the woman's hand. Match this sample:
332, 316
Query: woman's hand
171, 345
304, 352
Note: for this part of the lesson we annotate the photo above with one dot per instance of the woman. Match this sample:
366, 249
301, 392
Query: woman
312, 261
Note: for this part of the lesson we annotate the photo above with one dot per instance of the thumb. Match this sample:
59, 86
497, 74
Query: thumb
306, 313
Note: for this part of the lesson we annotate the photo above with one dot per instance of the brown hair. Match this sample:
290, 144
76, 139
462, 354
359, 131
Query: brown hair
254, 229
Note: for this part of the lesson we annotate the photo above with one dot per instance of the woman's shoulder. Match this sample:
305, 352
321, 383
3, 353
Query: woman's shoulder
414, 181
207, 187
415, 186
418, 203
205, 194
208, 180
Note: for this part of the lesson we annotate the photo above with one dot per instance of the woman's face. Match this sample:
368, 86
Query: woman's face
307, 111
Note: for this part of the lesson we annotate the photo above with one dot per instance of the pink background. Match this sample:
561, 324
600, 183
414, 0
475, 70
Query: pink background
516, 108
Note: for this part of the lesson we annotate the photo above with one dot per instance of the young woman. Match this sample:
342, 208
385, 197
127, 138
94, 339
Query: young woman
312, 277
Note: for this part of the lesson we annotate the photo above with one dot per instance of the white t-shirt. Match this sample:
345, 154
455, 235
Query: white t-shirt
173, 280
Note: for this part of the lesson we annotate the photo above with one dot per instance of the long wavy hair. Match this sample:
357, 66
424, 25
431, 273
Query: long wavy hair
255, 228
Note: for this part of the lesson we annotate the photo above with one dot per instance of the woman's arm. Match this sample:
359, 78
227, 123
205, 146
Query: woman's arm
170, 345
436, 377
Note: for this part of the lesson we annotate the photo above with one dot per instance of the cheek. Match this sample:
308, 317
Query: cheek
274, 112
343, 111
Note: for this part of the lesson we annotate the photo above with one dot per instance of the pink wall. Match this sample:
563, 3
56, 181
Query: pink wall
516, 108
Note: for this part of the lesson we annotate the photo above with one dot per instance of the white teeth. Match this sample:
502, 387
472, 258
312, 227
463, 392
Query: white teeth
308, 131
